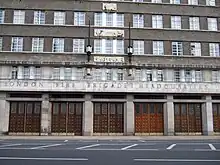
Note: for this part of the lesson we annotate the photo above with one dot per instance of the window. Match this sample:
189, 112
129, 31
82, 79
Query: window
37, 72
120, 75
14, 72
175, 1
157, 21
2, 16
109, 75
215, 76
138, 75
67, 73
109, 19
138, 0
56, 73
79, 18
159, 75
138, 47
19, 17
177, 48
156, 1
193, 2
108, 46
210, 2
78, 45
176, 22
138, 20
26, 72
58, 45
212, 24
149, 76
177, 75
158, 48
1, 43
59, 18
17, 44
195, 49
194, 23
98, 74
198, 76
214, 49
37, 44
79, 73
39, 17
188, 75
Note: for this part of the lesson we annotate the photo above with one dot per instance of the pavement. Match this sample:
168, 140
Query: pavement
109, 152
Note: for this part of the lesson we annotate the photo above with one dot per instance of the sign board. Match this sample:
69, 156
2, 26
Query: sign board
109, 59
108, 86
108, 33
109, 6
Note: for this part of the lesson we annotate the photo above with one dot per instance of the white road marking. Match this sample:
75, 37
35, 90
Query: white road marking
171, 146
9, 145
65, 141
46, 146
192, 143
176, 160
142, 149
129, 146
94, 145
141, 141
48, 159
212, 147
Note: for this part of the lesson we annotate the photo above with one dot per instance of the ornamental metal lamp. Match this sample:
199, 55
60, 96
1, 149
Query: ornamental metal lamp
129, 50
88, 52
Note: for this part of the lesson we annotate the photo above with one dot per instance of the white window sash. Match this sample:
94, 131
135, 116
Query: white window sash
2, 16
79, 18
19, 17
176, 22
17, 44
59, 18
58, 45
37, 44
39, 17
157, 21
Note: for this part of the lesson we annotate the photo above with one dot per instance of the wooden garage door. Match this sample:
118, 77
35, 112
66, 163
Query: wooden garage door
149, 118
108, 118
25, 117
67, 118
216, 117
188, 118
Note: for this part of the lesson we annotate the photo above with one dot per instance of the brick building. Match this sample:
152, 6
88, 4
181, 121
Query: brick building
158, 76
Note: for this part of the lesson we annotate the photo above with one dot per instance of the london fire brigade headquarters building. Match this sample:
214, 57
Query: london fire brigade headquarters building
50, 86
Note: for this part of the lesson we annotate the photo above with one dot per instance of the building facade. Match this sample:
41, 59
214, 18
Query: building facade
167, 83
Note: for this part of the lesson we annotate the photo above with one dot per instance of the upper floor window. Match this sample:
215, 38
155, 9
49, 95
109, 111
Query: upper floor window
138, 0
195, 49
78, 45
177, 48
159, 75
120, 75
210, 2
194, 23
37, 72
58, 45
188, 75
37, 44
157, 21
138, 74
26, 72
56, 73
39, 17
109, 46
14, 72
177, 75
198, 76
138, 47
19, 17
214, 49
149, 75
176, 22
212, 24
138, 20
67, 73
158, 48
2, 16
79, 18
109, 19
1, 43
156, 1
175, 1
17, 44
59, 18
215, 76
193, 2
109, 75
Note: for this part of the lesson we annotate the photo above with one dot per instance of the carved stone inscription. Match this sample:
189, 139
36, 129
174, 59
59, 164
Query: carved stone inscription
102, 86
